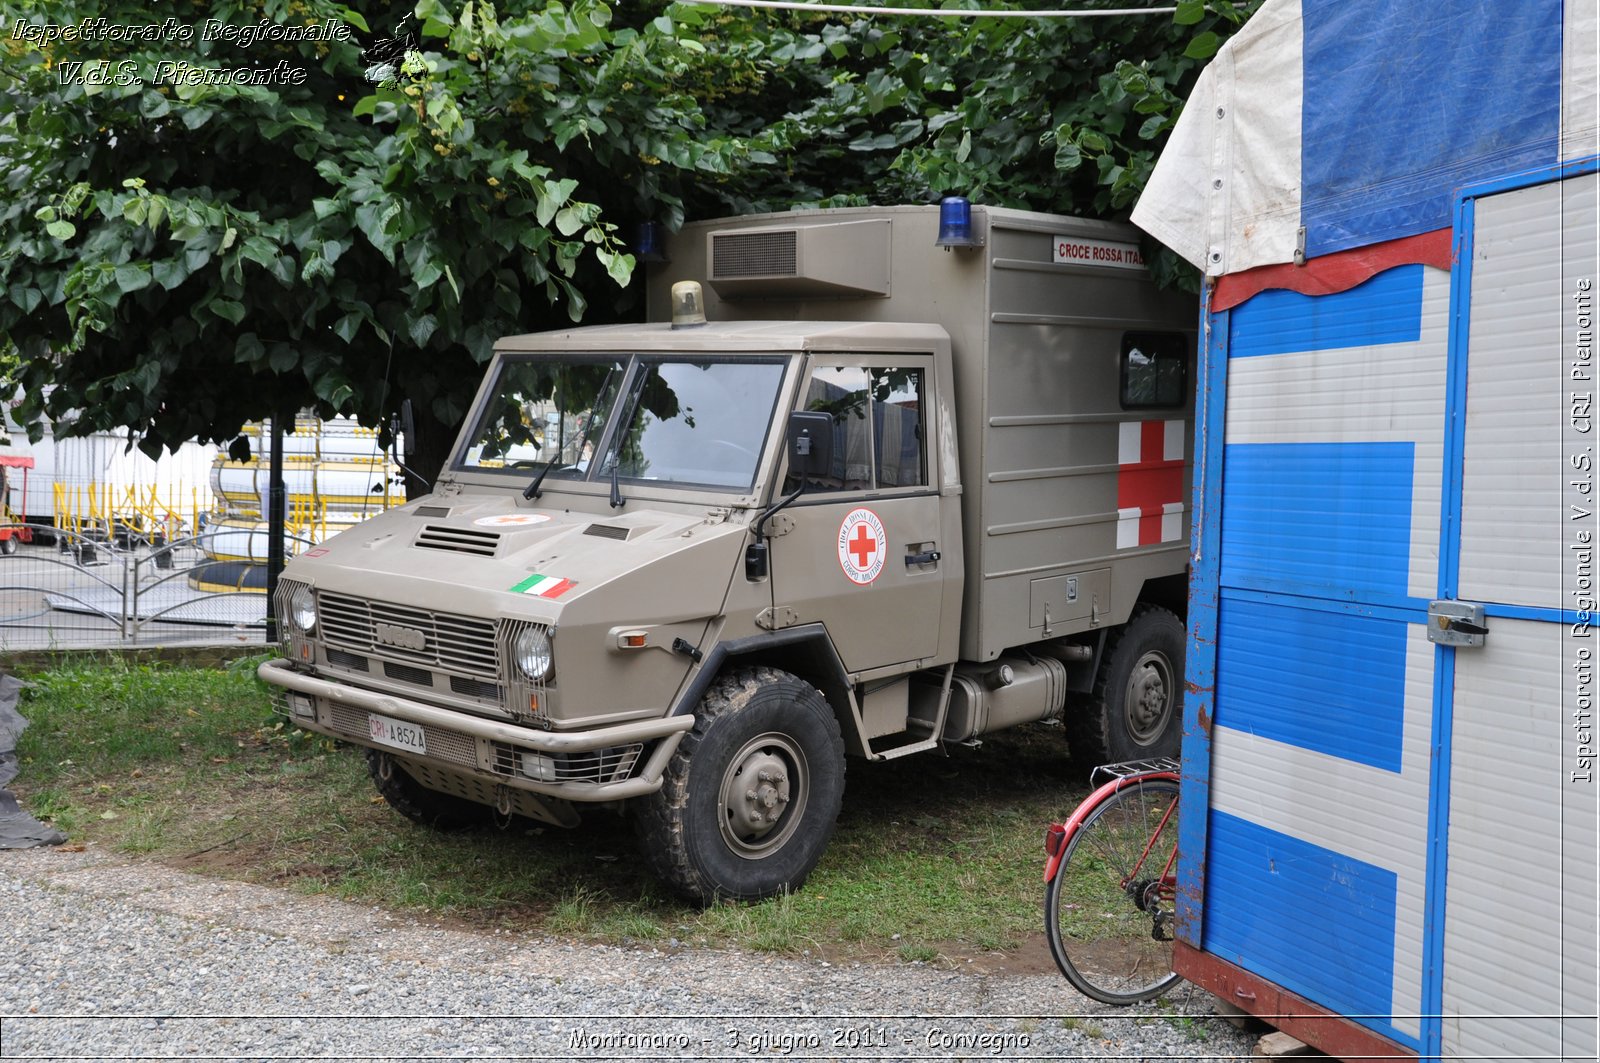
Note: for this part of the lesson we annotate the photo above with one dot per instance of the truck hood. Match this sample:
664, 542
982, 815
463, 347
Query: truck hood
485, 555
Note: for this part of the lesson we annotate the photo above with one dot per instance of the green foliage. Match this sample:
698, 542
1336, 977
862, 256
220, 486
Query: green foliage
1064, 115
178, 258
102, 719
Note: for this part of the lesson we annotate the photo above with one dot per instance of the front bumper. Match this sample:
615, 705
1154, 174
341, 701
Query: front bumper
488, 749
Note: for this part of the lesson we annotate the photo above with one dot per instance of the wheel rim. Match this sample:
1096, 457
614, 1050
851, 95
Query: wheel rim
763, 795
1108, 894
1148, 700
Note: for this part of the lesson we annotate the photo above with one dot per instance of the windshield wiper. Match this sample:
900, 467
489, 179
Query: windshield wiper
627, 409
532, 490
617, 500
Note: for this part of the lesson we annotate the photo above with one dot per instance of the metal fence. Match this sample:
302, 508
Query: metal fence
63, 589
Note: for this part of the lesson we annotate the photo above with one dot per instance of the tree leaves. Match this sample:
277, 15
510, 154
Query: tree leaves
349, 243
132, 278
1204, 46
230, 310
422, 328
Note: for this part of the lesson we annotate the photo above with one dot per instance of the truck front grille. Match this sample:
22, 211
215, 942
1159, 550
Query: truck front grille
407, 674
353, 661
476, 688
422, 637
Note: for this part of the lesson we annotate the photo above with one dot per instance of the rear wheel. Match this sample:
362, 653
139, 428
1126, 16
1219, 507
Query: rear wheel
750, 797
416, 802
1136, 709
8, 545
1108, 913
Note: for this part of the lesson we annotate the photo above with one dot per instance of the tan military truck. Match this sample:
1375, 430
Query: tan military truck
883, 480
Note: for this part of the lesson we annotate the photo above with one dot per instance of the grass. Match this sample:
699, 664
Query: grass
934, 859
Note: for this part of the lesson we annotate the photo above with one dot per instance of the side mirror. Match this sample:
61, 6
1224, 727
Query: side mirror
809, 444
408, 428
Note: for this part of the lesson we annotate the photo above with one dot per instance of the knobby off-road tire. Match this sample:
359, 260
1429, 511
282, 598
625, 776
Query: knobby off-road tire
1136, 708
416, 802
750, 797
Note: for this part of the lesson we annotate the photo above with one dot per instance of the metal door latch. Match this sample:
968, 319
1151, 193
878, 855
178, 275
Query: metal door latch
1456, 624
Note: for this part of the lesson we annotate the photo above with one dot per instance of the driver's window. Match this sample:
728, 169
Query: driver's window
878, 437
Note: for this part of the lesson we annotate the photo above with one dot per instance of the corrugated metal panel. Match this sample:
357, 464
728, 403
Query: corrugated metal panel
1368, 813
1386, 309
1367, 394
1315, 921
1322, 735
1519, 944
1328, 681
1328, 519
1519, 938
1520, 405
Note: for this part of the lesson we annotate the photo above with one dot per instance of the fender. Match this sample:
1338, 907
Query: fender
1052, 863
813, 636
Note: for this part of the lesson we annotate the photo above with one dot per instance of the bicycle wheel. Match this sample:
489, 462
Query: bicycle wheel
1108, 912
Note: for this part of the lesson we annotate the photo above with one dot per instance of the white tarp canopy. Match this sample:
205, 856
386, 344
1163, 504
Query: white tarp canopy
1325, 125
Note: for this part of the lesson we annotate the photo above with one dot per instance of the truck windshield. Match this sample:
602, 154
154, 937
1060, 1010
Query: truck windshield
698, 423
545, 411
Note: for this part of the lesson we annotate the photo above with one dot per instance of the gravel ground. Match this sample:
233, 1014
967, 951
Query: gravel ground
103, 957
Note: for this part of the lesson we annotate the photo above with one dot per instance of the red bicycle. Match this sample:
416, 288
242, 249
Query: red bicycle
1111, 883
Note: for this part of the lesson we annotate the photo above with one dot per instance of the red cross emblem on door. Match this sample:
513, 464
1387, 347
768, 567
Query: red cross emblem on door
1150, 507
863, 546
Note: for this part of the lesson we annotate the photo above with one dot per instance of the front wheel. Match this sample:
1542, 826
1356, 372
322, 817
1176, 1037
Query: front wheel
1108, 913
422, 806
750, 797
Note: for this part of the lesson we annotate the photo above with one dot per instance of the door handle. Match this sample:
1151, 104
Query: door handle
924, 557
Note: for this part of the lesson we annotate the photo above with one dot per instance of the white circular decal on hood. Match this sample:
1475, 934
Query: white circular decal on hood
511, 520
863, 546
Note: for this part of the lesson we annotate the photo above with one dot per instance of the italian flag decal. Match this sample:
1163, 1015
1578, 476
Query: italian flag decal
544, 586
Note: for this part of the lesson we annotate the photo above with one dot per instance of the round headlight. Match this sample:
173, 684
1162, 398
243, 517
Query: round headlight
533, 654
302, 610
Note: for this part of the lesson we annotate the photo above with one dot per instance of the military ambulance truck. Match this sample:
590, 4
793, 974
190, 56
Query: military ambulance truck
875, 481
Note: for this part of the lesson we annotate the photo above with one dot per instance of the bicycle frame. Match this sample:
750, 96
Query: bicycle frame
1059, 834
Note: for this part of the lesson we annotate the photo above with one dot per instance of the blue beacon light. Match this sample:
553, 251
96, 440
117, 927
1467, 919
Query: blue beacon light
649, 238
955, 223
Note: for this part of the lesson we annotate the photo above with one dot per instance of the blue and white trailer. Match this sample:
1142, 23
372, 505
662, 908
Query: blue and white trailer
1391, 665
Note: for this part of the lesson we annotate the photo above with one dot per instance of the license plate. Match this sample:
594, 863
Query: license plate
388, 731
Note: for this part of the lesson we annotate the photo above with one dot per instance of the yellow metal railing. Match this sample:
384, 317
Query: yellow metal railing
85, 509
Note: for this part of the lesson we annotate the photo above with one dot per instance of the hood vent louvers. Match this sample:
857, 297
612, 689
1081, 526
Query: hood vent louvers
459, 540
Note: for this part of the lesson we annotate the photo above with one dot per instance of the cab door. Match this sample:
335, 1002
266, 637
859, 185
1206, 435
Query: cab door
860, 551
